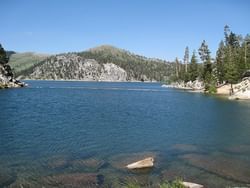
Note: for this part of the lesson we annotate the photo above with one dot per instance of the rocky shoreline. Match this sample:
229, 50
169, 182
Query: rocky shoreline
7, 79
241, 91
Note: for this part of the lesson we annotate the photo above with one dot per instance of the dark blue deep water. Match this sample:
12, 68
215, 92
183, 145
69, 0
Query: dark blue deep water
82, 134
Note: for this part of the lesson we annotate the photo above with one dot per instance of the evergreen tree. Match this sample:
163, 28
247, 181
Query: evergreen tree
226, 34
246, 47
206, 59
208, 77
177, 67
220, 66
186, 59
3, 56
231, 74
233, 61
193, 68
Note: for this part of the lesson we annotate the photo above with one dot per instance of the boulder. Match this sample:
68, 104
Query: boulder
191, 185
145, 163
122, 160
241, 90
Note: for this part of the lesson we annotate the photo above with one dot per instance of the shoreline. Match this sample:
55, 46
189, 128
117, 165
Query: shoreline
72, 80
222, 91
191, 90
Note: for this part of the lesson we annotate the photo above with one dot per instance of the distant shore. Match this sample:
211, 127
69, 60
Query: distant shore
241, 90
72, 80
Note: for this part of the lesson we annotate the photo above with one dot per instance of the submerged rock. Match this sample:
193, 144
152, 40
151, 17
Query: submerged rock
145, 163
185, 147
6, 179
58, 162
89, 164
25, 184
224, 166
7, 175
190, 173
242, 149
75, 180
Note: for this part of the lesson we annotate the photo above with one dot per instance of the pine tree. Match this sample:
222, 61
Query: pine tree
233, 57
186, 59
206, 59
246, 49
231, 74
208, 78
220, 65
193, 68
3, 56
177, 67
226, 34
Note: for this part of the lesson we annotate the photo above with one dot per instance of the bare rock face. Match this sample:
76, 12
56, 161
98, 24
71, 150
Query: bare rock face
195, 85
242, 89
112, 72
74, 67
7, 79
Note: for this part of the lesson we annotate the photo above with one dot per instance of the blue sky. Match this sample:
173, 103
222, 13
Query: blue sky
154, 28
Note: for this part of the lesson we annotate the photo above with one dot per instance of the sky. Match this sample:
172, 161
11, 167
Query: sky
153, 28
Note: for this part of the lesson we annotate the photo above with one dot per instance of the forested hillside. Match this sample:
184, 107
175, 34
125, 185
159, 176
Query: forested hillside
232, 61
100, 61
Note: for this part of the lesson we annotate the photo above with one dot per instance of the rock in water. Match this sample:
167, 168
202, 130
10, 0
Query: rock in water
145, 163
192, 185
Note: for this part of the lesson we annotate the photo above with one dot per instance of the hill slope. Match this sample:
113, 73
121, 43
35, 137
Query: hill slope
22, 61
137, 67
104, 63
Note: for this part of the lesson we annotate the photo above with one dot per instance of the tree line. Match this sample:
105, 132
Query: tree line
231, 62
4, 59
137, 67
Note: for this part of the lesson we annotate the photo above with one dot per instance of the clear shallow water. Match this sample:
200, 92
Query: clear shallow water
57, 130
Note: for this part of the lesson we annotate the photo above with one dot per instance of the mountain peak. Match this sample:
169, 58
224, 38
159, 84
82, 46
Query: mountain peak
108, 48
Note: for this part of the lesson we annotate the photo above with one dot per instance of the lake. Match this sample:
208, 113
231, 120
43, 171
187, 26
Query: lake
83, 134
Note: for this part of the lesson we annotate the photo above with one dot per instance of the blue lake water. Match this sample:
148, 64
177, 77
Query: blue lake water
54, 131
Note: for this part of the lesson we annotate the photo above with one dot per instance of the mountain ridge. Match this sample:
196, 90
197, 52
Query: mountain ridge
108, 59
